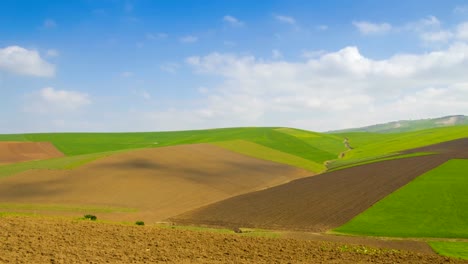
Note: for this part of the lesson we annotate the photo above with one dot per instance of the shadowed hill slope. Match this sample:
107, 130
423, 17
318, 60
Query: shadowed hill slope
159, 182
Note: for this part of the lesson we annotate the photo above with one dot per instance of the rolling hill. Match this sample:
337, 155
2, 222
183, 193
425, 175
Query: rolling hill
410, 125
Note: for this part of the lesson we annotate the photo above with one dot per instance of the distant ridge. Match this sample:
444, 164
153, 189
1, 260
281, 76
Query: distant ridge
410, 125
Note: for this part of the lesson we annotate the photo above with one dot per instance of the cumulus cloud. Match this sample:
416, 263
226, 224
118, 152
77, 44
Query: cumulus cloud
368, 28
285, 19
25, 62
50, 100
437, 36
233, 21
343, 87
462, 31
189, 39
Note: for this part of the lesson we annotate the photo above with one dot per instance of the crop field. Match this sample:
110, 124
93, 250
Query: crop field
433, 205
451, 249
159, 182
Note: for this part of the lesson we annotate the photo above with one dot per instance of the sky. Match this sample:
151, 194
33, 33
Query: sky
143, 65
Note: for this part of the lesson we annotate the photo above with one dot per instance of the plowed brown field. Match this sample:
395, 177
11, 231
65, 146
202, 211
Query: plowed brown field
316, 203
159, 182
44, 240
455, 148
11, 152
325, 201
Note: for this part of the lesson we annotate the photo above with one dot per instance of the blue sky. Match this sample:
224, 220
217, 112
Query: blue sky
142, 65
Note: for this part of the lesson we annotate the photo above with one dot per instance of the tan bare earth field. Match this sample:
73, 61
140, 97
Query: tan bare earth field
11, 152
49, 240
158, 182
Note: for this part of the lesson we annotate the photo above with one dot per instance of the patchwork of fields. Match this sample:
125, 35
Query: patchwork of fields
408, 185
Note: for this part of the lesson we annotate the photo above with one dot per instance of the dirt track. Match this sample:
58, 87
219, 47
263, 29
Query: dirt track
11, 152
159, 182
44, 240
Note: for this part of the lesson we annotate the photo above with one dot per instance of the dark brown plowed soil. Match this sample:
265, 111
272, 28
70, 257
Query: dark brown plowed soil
43, 240
159, 182
455, 148
315, 203
11, 152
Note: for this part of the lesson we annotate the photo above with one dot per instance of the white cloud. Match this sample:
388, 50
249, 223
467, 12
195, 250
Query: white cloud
462, 31
424, 24
49, 23
50, 100
437, 36
332, 90
25, 62
52, 53
189, 39
285, 19
368, 28
233, 21
276, 54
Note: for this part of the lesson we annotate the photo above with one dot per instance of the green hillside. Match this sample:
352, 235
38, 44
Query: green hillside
433, 205
369, 146
300, 148
410, 125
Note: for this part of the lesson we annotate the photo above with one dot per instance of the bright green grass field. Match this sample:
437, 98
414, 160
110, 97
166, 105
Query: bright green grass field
310, 147
451, 249
433, 205
375, 144
261, 152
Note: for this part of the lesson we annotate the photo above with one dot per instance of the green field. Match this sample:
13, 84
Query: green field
374, 144
451, 249
261, 152
303, 148
433, 205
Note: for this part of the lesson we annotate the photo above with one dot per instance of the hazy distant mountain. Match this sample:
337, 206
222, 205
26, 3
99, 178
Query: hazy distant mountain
411, 125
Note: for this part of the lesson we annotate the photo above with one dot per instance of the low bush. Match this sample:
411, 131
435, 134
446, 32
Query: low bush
139, 223
90, 217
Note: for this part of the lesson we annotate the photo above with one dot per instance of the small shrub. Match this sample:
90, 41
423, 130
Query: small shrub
90, 217
139, 223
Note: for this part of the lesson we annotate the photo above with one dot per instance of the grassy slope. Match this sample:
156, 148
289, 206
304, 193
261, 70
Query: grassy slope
308, 149
372, 144
451, 249
409, 125
433, 205
261, 152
